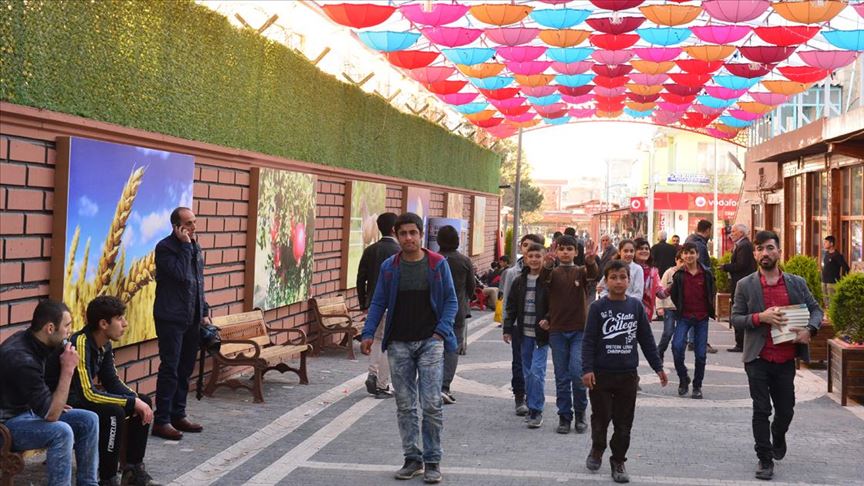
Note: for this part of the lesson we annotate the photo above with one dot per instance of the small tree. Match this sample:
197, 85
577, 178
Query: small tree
808, 269
846, 307
508, 242
721, 278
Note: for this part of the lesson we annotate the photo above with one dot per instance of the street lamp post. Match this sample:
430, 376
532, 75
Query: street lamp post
649, 203
517, 195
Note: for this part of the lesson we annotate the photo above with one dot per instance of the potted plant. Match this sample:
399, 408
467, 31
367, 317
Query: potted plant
808, 268
846, 360
723, 302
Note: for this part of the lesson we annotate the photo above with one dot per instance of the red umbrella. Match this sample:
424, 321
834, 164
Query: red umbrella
491, 122
678, 99
608, 82
697, 66
748, 70
515, 110
617, 4
766, 54
448, 86
786, 35
411, 59
621, 25
614, 42
698, 120
500, 94
803, 74
575, 91
643, 98
688, 79
358, 15
681, 90
612, 71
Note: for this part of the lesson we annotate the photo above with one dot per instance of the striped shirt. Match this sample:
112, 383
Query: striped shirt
529, 320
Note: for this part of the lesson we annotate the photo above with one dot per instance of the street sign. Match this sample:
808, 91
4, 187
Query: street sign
681, 178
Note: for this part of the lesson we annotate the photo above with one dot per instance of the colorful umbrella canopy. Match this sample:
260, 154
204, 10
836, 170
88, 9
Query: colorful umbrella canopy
748, 70
560, 18
735, 11
809, 12
439, 14
500, 14
564, 37
803, 74
571, 67
387, 41
451, 36
852, 40
786, 35
721, 34
511, 36
829, 60
766, 54
358, 15
411, 59
611, 25
671, 15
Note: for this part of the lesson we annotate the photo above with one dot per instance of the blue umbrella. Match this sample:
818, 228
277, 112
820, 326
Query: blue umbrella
544, 100
736, 82
664, 36
574, 80
471, 108
713, 102
468, 56
557, 121
494, 82
638, 114
559, 18
850, 40
569, 54
734, 122
388, 41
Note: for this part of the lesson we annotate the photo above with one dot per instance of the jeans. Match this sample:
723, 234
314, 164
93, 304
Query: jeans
700, 329
669, 322
378, 365
415, 369
517, 382
76, 429
178, 348
534, 369
770, 382
570, 393
116, 430
613, 398
451, 359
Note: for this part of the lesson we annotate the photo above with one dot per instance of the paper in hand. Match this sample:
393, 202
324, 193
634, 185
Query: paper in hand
796, 316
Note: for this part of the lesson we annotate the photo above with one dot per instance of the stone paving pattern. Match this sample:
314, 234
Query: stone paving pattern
350, 439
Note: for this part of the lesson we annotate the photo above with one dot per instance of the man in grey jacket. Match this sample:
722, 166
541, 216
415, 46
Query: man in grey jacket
770, 366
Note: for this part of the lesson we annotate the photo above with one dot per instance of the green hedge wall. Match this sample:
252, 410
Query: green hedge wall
177, 68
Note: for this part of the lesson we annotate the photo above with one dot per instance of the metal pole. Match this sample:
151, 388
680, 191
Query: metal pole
608, 201
826, 110
717, 230
517, 194
650, 202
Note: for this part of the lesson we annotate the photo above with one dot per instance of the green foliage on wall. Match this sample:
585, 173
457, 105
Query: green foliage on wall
180, 69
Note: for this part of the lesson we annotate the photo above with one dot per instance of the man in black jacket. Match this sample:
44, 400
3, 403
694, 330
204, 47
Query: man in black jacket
663, 254
742, 264
378, 380
179, 311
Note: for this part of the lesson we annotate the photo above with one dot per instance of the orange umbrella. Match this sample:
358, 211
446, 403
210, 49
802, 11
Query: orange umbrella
534, 79
481, 115
754, 107
484, 70
644, 90
809, 12
640, 106
787, 88
500, 14
709, 53
727, 129
609, 114
525, 124
651, 67
564, 37
671, 15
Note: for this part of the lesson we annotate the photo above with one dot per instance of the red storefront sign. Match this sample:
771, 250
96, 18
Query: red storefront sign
702, 202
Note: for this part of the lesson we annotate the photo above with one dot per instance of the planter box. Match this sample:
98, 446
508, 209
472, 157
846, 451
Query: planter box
845, 368
819, 342
723, 306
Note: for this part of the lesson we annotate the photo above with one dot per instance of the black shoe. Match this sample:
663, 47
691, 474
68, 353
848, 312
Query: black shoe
371, 384
683, 386
779, 447
697, 393
521, 407
619, 474
563, 425
710, 349
594, 460
736, 349
431, 474
382, 393
579, 425
447, 397
137, 475
765, 470
410, 469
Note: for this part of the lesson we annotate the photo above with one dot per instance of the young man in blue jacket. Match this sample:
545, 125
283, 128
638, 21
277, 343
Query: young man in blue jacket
415, 289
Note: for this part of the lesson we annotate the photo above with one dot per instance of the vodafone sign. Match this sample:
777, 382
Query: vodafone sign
687, 201
637, 205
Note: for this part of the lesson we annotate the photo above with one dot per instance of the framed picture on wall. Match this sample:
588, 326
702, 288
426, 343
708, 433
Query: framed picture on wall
112, 205
417, 201
478, 225
454, 205
280, 240
366, 201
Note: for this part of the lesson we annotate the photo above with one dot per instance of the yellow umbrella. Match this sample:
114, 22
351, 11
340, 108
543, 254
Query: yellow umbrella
564, 37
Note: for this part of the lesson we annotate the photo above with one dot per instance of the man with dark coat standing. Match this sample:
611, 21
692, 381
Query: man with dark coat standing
743, 263
179, 311
700, 238
378, 380
663, 254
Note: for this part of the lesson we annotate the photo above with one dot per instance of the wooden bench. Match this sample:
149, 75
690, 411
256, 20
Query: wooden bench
332, 316
246, 341
11, 462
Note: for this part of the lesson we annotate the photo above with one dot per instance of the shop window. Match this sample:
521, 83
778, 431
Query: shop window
795, 214
852, 212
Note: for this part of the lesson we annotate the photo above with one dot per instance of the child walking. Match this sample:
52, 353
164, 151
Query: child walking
527, 297
615, 324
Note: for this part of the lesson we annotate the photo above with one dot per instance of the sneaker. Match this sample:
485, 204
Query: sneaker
371, 384
431, 474
382, 393
521, 407
563, 425
765, 470
735, 349
137, 475
619, 474
683, 386
779, 447
410, 469
447, 397
535, 420
580, 425
710, 349
594, 460
697, 393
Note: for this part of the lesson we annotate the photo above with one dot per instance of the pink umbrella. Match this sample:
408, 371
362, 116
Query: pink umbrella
831, 60
511, 36
458, 98
859, 7
582, 112
721, 34
578, 100
431, 74
719, 133
572, 67
708, 110
539, 91
724, 93
520, 53
521, 118
528, 67
441, 13
648, 79
610, 92
736, 11
554, 107
748, 70
745, 115
657, 54
514, 110
612, 57
451, 36
770, 99
667, 118
674, 107
502, 131
508, 103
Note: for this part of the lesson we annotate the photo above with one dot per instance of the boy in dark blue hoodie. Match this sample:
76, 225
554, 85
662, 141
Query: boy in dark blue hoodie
609, 361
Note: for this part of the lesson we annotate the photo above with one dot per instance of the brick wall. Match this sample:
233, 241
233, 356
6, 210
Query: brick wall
221, 195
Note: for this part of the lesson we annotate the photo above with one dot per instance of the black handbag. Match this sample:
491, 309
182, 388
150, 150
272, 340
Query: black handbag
210, 342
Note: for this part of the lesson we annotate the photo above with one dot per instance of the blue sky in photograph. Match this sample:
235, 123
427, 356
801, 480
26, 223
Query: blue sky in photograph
97, 173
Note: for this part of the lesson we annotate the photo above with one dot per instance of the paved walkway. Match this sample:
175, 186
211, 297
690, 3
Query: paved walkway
331, 433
